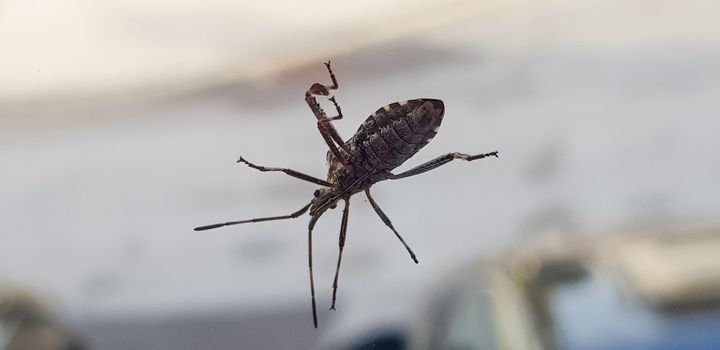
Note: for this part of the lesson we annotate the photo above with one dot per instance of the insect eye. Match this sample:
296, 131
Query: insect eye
317, 193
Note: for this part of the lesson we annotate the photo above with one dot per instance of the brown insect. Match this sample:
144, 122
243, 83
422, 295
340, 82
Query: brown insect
386, 139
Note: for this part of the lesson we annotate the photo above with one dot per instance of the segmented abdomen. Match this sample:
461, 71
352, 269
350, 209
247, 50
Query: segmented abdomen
390, 136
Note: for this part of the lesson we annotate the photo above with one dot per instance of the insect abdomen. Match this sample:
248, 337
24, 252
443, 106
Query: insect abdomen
394, 133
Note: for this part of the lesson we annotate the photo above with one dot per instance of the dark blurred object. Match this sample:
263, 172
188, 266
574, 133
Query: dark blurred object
649, 289
386, 339
27, 324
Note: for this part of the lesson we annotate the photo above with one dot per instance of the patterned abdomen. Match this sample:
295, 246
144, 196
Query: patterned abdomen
393, 134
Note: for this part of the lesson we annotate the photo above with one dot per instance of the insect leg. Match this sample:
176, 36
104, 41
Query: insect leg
330, 128
341, 245
389, 224
290, 172
270, 218
326, 128
442, 160
332, 77
337, 108
310, 265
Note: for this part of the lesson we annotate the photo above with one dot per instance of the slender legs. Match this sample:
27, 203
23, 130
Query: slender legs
327, 130
290, 172
389, 224
311, 225
270, 218
341, 151
442, 160
341, 244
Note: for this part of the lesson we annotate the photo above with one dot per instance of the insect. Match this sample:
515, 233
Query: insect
386, 139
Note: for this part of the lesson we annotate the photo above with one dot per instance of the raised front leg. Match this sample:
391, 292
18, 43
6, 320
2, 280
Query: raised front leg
442, 160
327, 130
324, 90
337, 108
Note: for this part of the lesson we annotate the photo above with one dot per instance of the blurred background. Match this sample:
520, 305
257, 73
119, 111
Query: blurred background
597, 228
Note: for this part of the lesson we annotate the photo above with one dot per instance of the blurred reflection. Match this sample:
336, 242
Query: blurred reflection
642, 290
25, 323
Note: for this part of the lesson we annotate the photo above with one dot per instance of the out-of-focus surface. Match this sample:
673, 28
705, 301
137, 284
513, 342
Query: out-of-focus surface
85, 49
566, 291
25, 323
604, 113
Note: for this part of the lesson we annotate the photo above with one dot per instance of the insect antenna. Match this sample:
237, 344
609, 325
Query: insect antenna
270, 218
